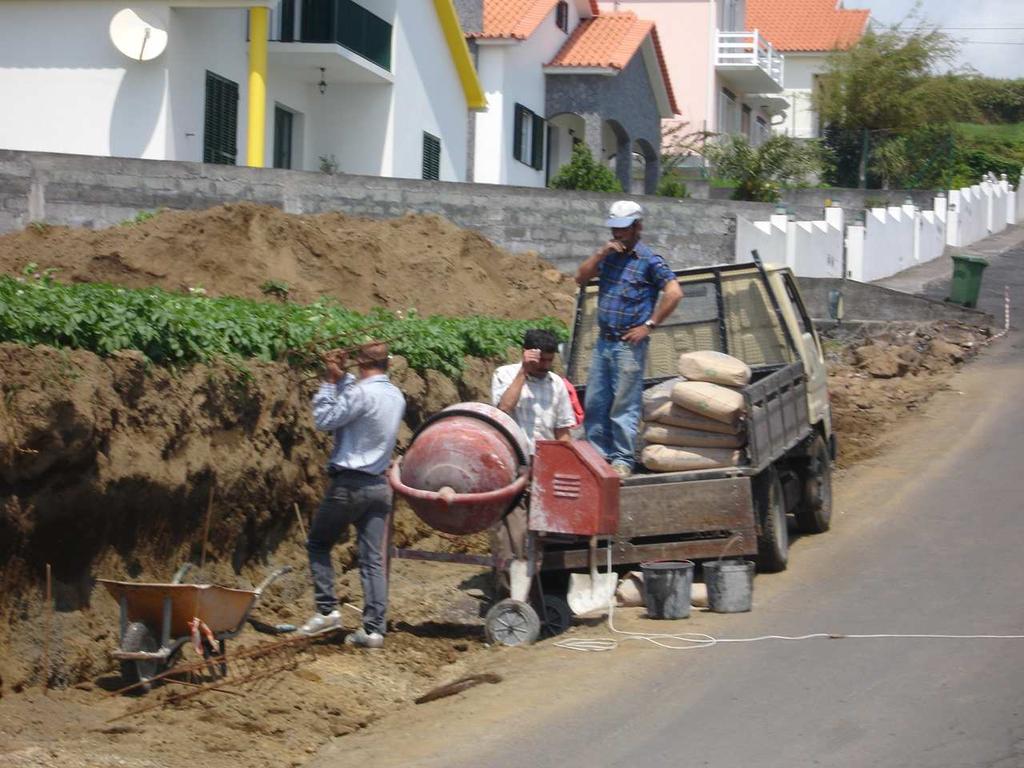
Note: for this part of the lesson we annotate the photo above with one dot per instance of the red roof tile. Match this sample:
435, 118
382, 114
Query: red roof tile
611, 40
517, 19
806, 25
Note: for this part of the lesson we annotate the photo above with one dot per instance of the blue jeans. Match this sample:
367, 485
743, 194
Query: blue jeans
614, 399
365, 504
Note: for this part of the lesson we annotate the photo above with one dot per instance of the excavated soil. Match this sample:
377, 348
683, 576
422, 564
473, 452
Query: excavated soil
421, 262
112, 468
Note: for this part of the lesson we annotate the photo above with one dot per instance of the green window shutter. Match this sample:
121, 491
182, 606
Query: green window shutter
220, 121
517, 133
431, 157
537, 161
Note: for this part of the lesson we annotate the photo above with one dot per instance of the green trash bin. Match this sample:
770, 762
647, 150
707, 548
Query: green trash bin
966, 279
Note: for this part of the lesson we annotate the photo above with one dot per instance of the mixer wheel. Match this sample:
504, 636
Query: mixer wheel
512, 622
557, 616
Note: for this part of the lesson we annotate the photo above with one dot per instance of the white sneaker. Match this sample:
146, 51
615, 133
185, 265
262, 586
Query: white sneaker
365, 639
622, 470
322, 622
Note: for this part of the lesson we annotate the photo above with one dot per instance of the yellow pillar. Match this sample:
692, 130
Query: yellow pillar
259, 32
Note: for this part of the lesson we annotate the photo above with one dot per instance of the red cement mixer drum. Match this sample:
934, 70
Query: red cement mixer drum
465, 469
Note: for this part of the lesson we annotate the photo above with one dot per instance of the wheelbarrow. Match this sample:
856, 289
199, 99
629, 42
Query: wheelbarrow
155, 620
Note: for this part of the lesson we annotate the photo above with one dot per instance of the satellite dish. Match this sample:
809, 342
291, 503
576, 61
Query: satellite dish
136, 37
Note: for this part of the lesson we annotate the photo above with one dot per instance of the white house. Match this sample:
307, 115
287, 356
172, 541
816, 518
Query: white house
380, 87
807, 31
728, 75
557, 72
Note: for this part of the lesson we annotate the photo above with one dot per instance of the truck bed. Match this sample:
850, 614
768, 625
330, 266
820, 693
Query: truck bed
701, 513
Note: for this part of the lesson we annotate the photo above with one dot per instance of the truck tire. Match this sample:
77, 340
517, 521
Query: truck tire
814, 513
772, 536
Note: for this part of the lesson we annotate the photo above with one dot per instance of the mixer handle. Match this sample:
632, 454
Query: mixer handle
509, 491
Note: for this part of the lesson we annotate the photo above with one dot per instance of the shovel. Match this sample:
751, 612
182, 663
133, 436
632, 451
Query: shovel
589, 592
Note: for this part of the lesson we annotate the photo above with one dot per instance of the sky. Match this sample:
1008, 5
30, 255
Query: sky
982, 26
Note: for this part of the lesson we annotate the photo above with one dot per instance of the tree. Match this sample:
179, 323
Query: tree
585, 173
760, 170
887, 85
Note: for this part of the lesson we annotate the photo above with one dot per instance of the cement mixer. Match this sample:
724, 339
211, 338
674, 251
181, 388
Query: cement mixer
468, 466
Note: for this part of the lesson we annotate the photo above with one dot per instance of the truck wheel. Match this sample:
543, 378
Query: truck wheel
814, 513
773, 538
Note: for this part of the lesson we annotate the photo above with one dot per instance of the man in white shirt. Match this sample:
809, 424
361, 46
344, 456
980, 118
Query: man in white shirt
538, 400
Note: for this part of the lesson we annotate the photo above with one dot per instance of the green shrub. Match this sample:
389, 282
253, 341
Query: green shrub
585, 173
670, 186
173, 328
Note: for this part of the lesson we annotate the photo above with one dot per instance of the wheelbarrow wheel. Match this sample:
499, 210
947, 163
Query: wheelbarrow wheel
138, 637
512, 622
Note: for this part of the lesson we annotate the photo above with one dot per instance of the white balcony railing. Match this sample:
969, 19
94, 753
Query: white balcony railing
748, 50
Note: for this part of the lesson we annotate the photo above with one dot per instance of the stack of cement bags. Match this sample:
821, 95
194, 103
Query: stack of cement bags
696, 421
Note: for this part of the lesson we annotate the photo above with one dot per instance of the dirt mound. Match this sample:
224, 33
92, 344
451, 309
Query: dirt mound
874, 380
416, 261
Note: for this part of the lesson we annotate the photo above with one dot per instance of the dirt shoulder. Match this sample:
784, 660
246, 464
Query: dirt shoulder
436, 633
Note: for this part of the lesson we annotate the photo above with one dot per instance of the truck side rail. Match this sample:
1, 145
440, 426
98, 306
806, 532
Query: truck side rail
776, 414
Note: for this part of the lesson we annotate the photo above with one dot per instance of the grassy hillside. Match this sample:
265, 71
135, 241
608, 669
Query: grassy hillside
993, 147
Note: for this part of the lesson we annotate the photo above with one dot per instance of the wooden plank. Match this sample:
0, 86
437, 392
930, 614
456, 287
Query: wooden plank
627, 553
690, 507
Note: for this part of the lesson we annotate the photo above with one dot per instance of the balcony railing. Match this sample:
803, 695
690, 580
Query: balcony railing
342, 22
748, 50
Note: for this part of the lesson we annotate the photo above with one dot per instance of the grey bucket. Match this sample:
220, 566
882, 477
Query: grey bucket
667, 587
730, 585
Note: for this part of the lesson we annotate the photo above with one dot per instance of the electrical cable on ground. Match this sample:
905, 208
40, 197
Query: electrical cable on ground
691, 641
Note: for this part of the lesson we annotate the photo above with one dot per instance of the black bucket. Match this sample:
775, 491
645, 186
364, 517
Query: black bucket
730, 585
667, 587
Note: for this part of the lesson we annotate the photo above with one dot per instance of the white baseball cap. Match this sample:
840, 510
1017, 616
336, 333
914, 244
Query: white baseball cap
623, 213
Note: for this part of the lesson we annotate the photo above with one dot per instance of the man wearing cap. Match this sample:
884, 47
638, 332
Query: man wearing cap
364, 414
630, 277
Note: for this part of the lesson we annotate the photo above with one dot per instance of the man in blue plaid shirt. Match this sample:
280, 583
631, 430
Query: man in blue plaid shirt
631, 276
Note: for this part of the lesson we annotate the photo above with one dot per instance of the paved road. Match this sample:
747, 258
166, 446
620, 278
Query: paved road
929, 540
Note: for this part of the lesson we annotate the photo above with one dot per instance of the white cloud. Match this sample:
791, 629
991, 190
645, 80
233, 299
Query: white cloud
1004, 20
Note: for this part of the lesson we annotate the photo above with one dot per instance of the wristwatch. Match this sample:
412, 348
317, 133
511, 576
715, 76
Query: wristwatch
649, 323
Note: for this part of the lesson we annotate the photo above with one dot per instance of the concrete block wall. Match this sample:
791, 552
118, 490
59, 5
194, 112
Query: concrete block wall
564, 227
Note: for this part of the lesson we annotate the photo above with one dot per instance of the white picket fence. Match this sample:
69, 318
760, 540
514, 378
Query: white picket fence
888, 240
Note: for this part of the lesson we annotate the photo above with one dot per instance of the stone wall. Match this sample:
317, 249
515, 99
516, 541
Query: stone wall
564, 227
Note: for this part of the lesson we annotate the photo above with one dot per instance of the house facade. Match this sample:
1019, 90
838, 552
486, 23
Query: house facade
806, 31
379, 87
558, 72
728, 76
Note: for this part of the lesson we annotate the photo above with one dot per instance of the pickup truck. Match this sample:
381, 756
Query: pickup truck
753, 312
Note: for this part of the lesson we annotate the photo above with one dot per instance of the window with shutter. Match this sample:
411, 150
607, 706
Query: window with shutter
562, 16
283, 129
220, 121
537, 157
431, 157
528, 137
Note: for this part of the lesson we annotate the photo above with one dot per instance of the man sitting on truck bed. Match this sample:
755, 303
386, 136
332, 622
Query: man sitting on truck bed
538, 401
631, 277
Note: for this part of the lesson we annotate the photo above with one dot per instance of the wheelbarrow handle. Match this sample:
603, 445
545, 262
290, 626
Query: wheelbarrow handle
272, 577
180, 573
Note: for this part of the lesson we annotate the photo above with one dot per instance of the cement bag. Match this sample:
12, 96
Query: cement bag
659, 394
716, 367
630, 591
664, 434
671, 414
711, 400
670, 458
